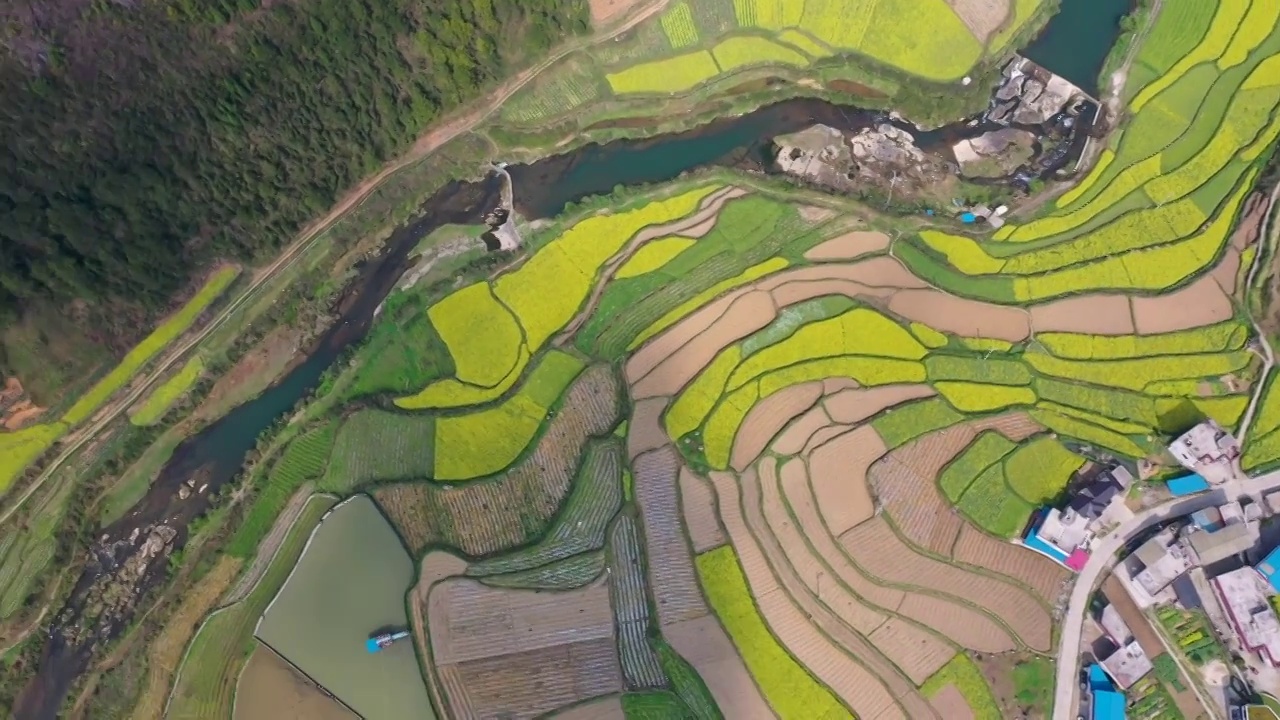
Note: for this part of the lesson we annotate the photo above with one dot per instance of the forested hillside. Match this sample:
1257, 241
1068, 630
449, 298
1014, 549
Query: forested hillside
144, 136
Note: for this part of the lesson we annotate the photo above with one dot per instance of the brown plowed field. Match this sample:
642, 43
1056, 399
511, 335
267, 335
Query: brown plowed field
957, 623
876, 272
960, 316
801, 558
798, 291
767, 418
1228, 271
951, 704
904, 483
838, 476
833, 385
698, 501
662, 347
491, 514
919, 653
530, 684
470, 621
982, 17
793, 439
436, 566
875, 546
824, 436
1097, 314
854, 406
644, 430
270, 689
1198, 304
794, 627
605, 708
746, 315
1015, 426
1032, 569
672, 577
848, 246
703, 643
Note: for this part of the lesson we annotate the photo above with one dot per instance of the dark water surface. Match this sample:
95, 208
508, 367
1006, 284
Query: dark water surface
1077, 40
215, 455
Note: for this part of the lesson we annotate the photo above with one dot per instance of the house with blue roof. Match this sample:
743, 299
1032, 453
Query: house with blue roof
1188, 485
1270, 568
1107, 703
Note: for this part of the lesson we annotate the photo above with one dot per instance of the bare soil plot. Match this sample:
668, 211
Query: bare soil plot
1097, 314
875, 546
1198, 304
876, 272
848, 246
814, 214
905, 483
794, 437
646, 359
1015, 426
644, 429
745, 315
1227, 271
798, 291
704, 645
833, 385
698, 501
521, 653
491, 514
605, 708
605, 11
823, 436
919, 653
862, 691
854, 406
526, 685
767, 418
950, 704
1032, 569
961, 316
672, 577
436, 566
982, 17
271, 689
838, 475
957, 623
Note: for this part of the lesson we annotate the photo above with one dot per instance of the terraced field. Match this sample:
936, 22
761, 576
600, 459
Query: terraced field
714, 455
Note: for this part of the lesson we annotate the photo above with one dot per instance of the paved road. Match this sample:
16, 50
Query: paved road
1064, 701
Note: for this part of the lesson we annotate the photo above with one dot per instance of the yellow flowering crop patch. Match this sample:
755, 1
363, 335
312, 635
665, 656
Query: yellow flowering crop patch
547, 291
744, 50
754, 272
653, 255
1224, 336
1258, 23
996, 370
964, 675
1088, 433
151, 410
1130, 179
1266, 74
485, 442
1212, 46
928, 336
1226, 410
982, 344
896, 37
839, 23
860, 331
868, 371
696, 401
973, 397
1040, 470
1137, 373
482, 335
1263, 141
769, 14
20, 448
962, 253
671, 75
723, 423
804, 42
1082, 187
789, 689
1116, 426
677, 23
452, 393
904, 423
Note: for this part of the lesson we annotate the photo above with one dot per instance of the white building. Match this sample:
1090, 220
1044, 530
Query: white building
1209, 450
1244, 594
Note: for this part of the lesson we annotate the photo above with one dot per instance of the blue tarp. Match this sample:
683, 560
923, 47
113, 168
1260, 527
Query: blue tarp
1206, 520
968, 218
1108, 705
1036, 543
1099, 681
1187, 485
1270, 568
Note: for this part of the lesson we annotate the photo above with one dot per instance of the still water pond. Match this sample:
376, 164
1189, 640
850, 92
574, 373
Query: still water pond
1077, 40
351, 581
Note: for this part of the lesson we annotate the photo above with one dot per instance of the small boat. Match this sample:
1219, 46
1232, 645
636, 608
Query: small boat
378, 642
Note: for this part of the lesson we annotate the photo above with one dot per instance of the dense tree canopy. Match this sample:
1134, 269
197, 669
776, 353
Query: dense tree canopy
143, 136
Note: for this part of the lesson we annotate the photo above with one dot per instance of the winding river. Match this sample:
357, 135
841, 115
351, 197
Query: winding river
214, 456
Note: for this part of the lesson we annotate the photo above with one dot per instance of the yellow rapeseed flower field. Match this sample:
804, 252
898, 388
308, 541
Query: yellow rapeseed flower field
1229, 335
805, 42
1088, 181
669, 75
677, 23
653, 255
1212, 46
868, 371
1258, 23
962, 253
697, 399
482, 335
928, 336
973, 397
1088, 432
736, 52
1132, 178
1136, 373
723, 423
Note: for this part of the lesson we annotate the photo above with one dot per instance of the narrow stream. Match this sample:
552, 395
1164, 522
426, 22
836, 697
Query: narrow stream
215, 455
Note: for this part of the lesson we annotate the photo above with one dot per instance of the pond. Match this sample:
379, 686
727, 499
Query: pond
1077, 40
350, 582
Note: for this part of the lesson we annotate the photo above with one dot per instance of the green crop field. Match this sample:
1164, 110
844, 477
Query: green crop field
153, 408
962, 673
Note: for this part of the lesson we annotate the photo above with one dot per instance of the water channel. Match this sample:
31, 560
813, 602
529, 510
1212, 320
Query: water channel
215, 455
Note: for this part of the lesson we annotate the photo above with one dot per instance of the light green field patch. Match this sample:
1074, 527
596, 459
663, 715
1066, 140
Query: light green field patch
868, 371
902, 424
153, 409
986, 450
1225, 336
485, 442
1117, 426
992, 506
677, 23
987, 344
20, 448
1088, 433
997, 370
964, 675
804, 42
653, 255
793, 317
670, 75
1137, 373
1040, 470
